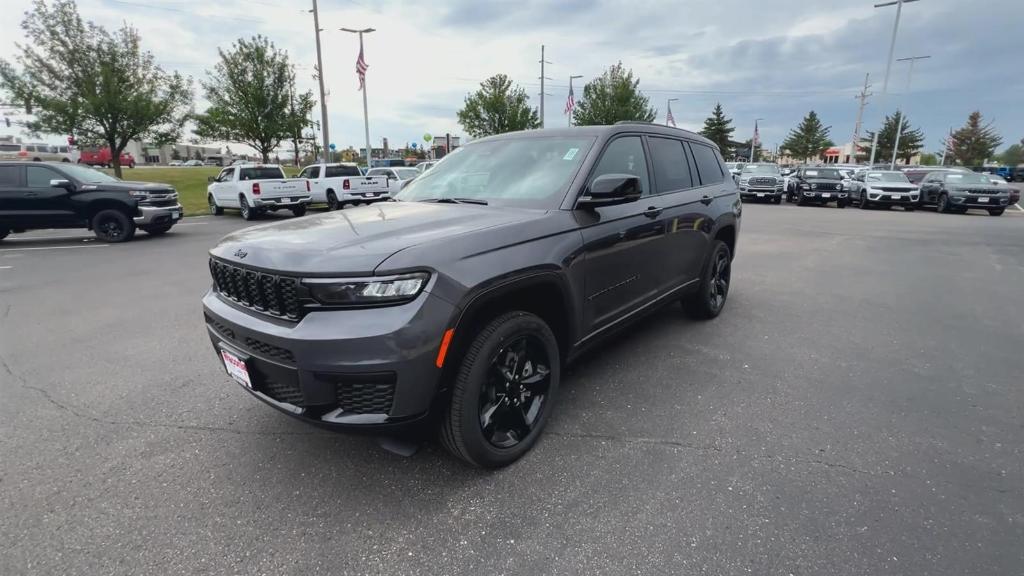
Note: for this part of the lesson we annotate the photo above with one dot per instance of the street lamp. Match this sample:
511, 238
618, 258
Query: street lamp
900, 114
366, 117
753, 139
888, 66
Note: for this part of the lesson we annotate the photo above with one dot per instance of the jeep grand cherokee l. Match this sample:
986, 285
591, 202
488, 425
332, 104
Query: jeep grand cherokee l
459, 302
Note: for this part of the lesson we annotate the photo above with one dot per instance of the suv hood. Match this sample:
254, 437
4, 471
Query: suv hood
355, 241
984, 188
126, 186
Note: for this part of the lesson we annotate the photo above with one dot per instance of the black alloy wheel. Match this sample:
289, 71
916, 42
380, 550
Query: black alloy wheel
332, 201
709, 299
113, 226
515, 392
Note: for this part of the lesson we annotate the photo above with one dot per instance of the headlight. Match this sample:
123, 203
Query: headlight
805, 186
743, 181
366, 291
138, 193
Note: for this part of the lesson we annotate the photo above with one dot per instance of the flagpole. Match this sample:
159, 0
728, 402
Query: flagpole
366, 116
573, 97
668, 113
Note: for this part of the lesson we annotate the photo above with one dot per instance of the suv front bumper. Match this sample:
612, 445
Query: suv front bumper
980, 201
747, 192
897, 198
371, 369
825, 197
158, 215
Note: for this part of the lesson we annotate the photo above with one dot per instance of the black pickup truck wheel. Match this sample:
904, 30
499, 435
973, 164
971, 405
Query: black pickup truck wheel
503, 391
709, 299
113, 226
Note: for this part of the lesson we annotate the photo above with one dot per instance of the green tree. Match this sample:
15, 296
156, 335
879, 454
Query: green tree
719, 129
252, 97
911, 140
929, 159
497, 107
809, 139
975, 142
80, 78
1013, 155
198, 155
612, 97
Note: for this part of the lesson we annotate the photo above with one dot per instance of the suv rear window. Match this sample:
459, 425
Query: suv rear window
342, 171
707, 164
262, 173
671, 168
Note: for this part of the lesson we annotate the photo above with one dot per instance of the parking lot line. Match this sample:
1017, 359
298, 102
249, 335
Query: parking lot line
6, 267
53, 248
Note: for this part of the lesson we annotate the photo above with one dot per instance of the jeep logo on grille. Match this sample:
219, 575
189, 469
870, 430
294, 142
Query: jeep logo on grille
240, 254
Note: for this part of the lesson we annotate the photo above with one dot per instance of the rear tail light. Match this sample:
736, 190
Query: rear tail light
345, 185
307, 185
256, 188
22, 153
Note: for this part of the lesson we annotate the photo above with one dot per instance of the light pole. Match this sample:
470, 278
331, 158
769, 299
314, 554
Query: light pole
572, 98
366, 117
669, 118
901, 112
888, 66
320, 78
753, 139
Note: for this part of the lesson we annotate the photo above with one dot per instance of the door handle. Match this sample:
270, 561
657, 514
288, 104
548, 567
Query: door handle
31, 194
652, 212
707, 199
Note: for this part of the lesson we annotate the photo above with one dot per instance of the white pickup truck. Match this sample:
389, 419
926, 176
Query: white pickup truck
257, 188
343, 183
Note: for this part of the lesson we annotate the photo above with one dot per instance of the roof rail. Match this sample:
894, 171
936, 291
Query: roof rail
633, 122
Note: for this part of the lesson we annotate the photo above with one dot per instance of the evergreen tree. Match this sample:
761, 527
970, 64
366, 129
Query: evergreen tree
809, 139
975, 142
911, 141
612, 97
718, 128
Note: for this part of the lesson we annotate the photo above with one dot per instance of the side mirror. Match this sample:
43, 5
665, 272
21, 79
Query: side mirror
211, 179
611, 189
61, 183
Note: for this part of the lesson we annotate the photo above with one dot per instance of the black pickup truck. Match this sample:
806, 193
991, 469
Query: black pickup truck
817, 185
36, 195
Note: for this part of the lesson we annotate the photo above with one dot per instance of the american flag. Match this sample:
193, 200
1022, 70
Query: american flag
670, 120
361, 67
570, 102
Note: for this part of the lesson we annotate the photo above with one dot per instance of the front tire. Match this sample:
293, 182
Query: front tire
777, 199
503, 391
709, 299
299, 210
864, 204
113, 226
996, 212
247, 212
943, 204
214, 209
840, 204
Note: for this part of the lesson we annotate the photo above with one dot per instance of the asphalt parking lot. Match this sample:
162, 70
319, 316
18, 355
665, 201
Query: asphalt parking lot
857, 409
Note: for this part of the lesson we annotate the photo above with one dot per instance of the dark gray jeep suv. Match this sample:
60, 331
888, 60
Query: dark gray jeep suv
462, 299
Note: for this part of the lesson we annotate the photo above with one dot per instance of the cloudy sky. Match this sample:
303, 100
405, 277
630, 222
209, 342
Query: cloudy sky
774, 59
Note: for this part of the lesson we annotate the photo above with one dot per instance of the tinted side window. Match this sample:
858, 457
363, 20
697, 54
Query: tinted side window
671, 168
40, 176
9, 175
225, 175
707, 164
625, 156
342, 171
306, 173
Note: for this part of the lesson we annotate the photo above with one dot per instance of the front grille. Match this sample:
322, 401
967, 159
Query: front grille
761, 182
267, 293
982, 191
269, 350
161, 203
366, 394
824, 186
895, 190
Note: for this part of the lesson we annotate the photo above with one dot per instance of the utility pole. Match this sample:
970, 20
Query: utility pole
900, 114
320, 77
542, 79
366, 117
888, 66
863, 97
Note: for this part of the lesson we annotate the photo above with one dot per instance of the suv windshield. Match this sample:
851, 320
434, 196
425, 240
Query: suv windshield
760, 169
262, 173
88, 175
886, 177
532, 172
967, 178
826, 173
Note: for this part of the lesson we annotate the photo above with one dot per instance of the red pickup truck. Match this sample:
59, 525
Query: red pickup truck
104, 158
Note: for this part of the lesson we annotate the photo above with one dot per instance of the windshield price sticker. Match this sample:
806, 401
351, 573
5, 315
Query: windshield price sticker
570, 154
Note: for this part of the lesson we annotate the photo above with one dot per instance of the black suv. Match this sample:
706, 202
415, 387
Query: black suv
958, 191
36, 195
464, 297
817, 185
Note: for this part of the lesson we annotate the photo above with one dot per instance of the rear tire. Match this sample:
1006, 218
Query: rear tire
332, 201
214, 209
996, 212
113, 226
481, 400
247, 212
156, 230
299, 210
709, 299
